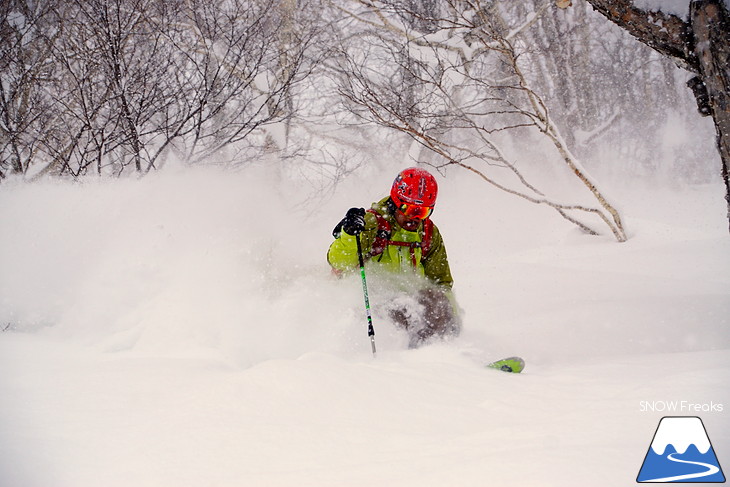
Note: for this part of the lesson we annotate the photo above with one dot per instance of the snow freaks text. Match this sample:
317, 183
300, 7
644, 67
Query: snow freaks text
680, 407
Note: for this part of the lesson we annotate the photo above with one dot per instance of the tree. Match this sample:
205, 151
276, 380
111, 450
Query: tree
701, 44
25, 65
113, 85
457, 91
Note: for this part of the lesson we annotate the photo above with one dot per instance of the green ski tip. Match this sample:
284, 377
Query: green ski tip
511, 364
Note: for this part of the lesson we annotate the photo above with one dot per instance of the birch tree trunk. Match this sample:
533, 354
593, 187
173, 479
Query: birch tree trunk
701, 44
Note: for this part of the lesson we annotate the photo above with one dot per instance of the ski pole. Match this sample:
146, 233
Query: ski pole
371, 330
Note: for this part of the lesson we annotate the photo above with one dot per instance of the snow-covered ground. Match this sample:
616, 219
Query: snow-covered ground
184, 330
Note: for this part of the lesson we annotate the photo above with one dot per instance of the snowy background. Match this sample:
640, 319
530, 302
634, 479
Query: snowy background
184, 330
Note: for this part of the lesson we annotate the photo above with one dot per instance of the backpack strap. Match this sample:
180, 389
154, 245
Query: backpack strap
382, 236
427, 234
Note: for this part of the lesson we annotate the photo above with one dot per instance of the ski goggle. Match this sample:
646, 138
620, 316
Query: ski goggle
412, 211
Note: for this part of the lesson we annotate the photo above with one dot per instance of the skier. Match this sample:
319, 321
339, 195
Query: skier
397, 236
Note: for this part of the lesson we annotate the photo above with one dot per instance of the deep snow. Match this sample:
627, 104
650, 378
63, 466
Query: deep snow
184, 330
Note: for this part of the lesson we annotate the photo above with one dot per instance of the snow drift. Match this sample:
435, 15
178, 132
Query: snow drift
184, 329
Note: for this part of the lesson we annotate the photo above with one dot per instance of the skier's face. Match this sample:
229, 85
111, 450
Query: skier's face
408, 224
409, 217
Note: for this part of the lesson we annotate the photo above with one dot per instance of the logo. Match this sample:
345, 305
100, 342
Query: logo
681, 452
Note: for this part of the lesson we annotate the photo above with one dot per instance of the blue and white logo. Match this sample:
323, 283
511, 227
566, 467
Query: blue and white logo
681, 452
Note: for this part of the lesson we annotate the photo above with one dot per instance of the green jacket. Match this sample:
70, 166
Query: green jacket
342, 254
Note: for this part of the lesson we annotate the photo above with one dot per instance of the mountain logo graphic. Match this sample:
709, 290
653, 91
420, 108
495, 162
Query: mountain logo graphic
681, 452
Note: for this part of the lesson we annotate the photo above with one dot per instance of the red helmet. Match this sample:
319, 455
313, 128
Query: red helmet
414, 192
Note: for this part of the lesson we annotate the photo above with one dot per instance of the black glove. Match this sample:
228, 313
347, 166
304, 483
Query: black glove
354, 221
